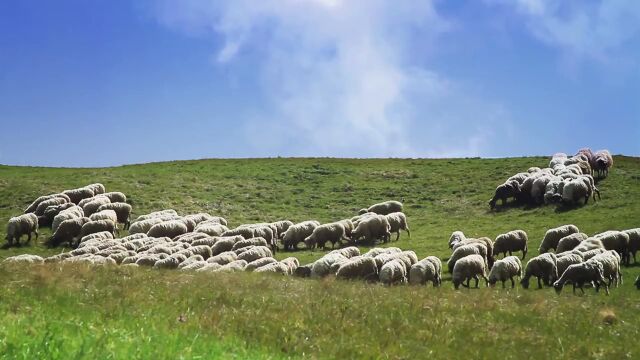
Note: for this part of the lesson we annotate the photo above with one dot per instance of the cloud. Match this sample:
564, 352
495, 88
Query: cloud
342, 78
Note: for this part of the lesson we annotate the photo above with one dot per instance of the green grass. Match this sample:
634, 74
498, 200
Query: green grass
65, 312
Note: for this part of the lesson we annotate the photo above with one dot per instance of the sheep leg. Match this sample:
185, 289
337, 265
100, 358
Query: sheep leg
398, 235
513, 283
29, 238
510, 254
524, 251
468, 281
539, 284
475, 277
574, 288
408, 232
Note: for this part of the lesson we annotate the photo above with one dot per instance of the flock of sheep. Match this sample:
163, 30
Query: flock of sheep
567, 180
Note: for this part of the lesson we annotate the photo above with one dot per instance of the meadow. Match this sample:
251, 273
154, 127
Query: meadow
55, 311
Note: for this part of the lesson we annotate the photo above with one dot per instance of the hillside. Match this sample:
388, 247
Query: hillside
252, 316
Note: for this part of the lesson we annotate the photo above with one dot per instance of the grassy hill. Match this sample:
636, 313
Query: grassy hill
74, 311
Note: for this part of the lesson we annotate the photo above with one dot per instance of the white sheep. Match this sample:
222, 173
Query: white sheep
384, 208
24, 258
322, 266
579, 274
456, 237
18, 226
564, 260
482, 240
372, 228
331, 232
155, 214
104, 215
275, 267
282, 226
589, 244
603, 162
358, 267
116, 197
123, 212
190, 260
97, 188
570, 242
255, 253
575, 191
93, 204
292, 264
634, 242
515, 240
505, 269
73, 212
610, 261
95, 237
348, 252
423, 271
211, 229
616, 240
544, 267
465, 250
76, 195
43, 205
223, 258
377, 251
553, 236
257, 241
393, 272
67, 231
98, 226
259, 263
34, 205
296, 233
467, 268
233, 266
171, 229
398, 221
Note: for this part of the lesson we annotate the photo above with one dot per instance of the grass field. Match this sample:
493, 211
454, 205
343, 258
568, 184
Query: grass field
68, 312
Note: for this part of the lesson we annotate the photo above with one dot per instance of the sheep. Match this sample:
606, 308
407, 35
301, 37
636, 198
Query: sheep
172, 262
116, 197
292, 263
24, 258
539, 187
322, 266
371, 229
211, 228
398, 221
282, 226
191, 260
42, 206
462, 251
587, 255
34, 205
567, 259
471, 266
303, 271
275, 267
332, 232
95, 237
384, 208
76, 195
200, 217
503, 192
296, 234
203, 267
208, 241
72, 212
104, 215
97, 188
423, 271
603, 162
483, 240
579, 274
67, 231
519, 177
123, 212
377, 251
359, 267
553, 236
234, 266
515, 240
50, 213
98, 226
544, 267
189, 238
223, 244
393, 272
155, 214
616, 240
93, 205
504, 269
25, 224
610, 261
259, 263
257, 241
455, 238
634, 242
589, 244
574, 191
202, 250
570, 242
143, 226
223, 258
348, 252
171, 229
255, 253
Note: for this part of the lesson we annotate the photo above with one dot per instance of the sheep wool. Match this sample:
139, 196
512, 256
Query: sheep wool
398, 221
553, 236
515, 240
544, 267
467, 268
505, 269
579, 274
18, 226
393, 272
359, 267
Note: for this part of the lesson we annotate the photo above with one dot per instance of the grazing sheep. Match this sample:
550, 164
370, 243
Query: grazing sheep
296, 234
574, 191
322, 266
42, 206
234, 266
553, 236
372, 228
348, 252
456, 237
603, 162
465, 250
332, 232
223, 258
292, 263
200, 217
377, 251
25, 224
634, 242
191, 260
504, 192
50, 213
570, 242
423, 271
93, 204
519, 177
259, 263
616, 240
189, 238
67, 231
579, 274
97, 188
567, 259
275, 267
586, 255
72, 212
92, 227
211, 229
393, 272
257, 241
515, 240
588, 245
358, 267
123, 212
544, 267
504, 270
104, 215
24, 258
398, 221
143, 226
282, 226
467, 268
384, 208
172, 262
203, 250
34, 205
255, 253
76, 195
223, 244
171, 229
303, 271
205, 267
116, 197
610, 261
483, 240
155, 214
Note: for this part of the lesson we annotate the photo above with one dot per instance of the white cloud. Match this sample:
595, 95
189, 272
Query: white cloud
341, 78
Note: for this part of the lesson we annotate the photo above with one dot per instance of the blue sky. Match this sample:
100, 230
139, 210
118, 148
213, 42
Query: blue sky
109, 82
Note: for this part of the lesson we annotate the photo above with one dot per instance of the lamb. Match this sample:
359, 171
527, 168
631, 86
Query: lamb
25, 224
42, 206
634, 242
504, 269
610, 261
73, 212
456, 237
398, 221
67, 231
371, 229
544, 267
34, 205
98, 226
603, 162
384, 208
104, 215
566, 260
515, 240
579, 274
171, 229
255, 253
332, 232
259, 263
423, 271
359, 267
116, 197
76, 195
505, 191
24, 258
211, 229
570, 242
465, 250
123, 212
296, 234
616, 240
92, 205
553, 236
471, 266
393, 272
